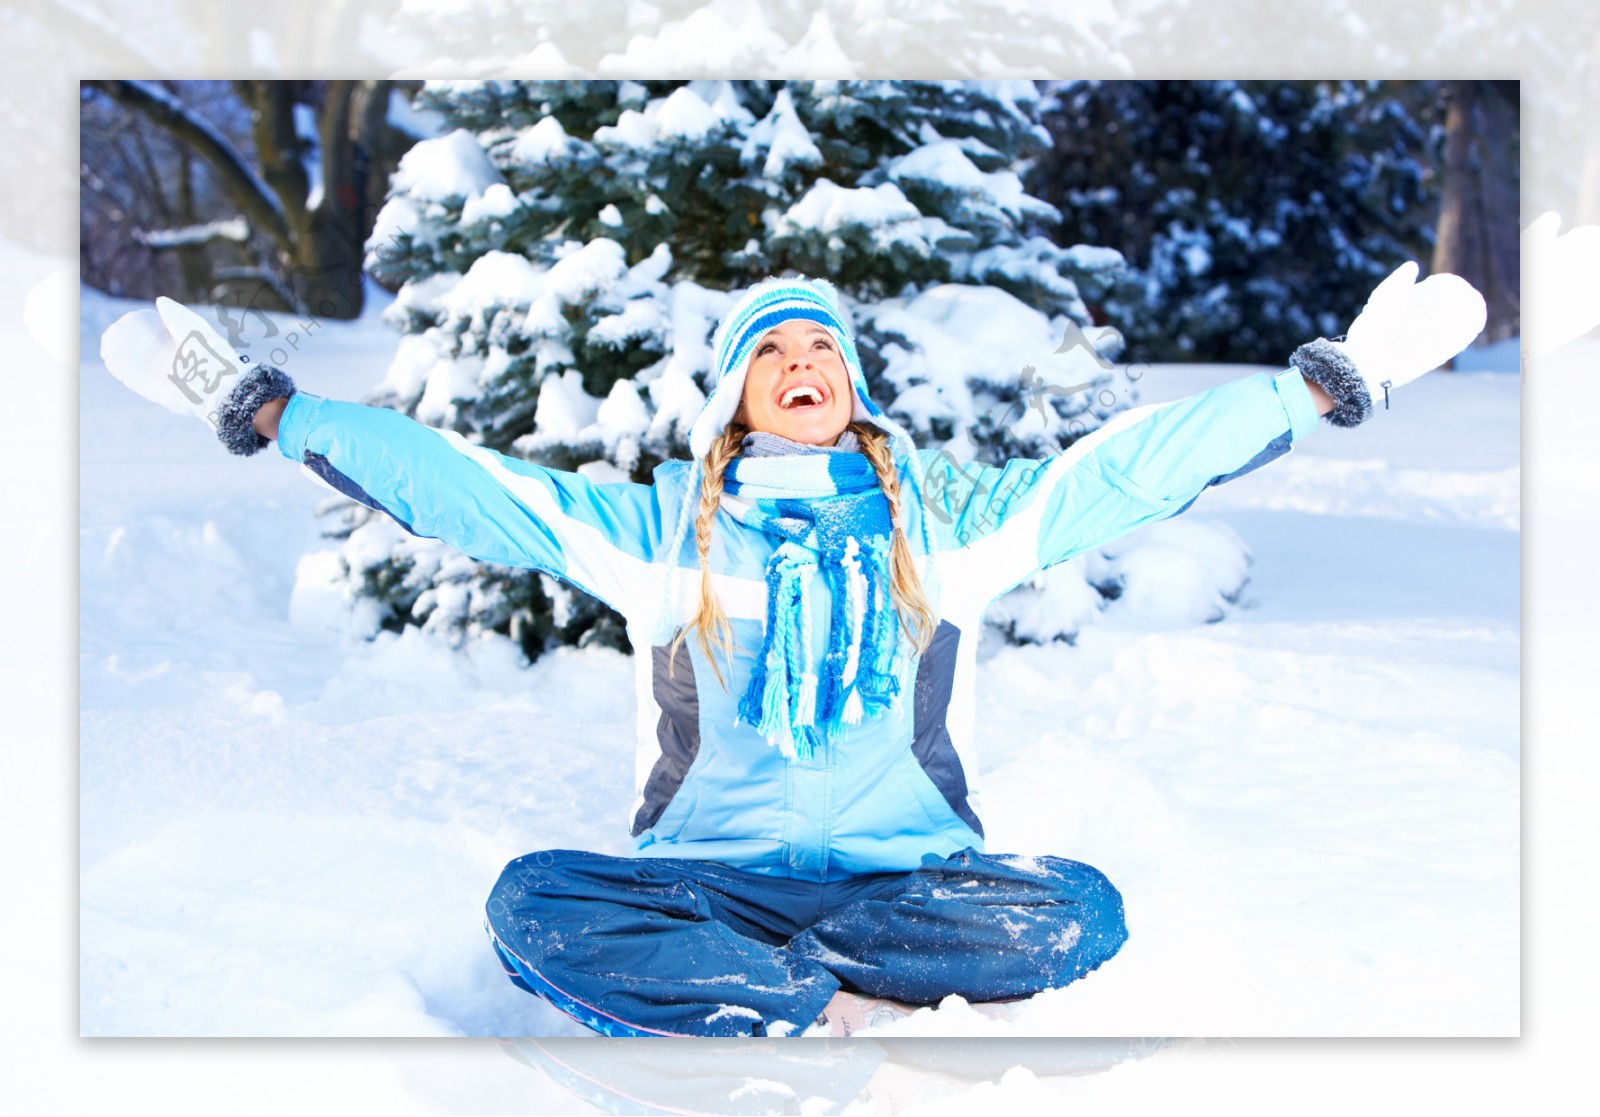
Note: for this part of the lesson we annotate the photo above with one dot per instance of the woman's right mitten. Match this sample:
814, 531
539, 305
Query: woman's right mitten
172, 356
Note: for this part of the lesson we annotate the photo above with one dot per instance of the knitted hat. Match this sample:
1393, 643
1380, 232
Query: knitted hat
767, 304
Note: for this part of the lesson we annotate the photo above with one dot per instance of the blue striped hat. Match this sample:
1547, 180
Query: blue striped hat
765, 305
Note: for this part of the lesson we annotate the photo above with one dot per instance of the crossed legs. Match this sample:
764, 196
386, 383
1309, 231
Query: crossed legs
657, 946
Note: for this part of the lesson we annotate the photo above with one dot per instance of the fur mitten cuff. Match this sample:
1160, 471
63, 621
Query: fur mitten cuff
1326, 364
236, 414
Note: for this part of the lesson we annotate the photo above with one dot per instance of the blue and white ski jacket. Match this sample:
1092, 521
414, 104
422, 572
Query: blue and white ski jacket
894, 788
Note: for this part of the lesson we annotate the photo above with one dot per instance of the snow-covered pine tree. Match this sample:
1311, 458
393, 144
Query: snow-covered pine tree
1254, 215
565, 249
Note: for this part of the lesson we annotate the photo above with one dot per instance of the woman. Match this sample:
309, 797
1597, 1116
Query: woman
804, 598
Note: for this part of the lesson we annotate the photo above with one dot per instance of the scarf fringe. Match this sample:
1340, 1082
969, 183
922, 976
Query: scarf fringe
834, 520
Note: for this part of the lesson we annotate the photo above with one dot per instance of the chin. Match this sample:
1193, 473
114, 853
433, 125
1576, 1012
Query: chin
816, 436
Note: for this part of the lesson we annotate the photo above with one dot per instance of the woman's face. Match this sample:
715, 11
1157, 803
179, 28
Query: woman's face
797, 385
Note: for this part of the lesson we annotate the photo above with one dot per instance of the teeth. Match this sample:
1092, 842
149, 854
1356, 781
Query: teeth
798, 391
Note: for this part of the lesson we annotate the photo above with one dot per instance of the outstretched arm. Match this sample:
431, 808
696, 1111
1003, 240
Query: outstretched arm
1151, 462
436, 484
1003, 524
597, 536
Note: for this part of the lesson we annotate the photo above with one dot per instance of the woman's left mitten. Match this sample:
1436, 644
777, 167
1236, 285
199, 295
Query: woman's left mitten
1406, 329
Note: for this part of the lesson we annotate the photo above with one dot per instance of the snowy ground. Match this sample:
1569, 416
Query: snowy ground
1311, 808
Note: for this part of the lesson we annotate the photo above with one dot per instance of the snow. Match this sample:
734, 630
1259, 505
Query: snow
819, 54
1185, 572
495, 202
494, 279
683, 115
1310, 807
398, 217
564, 408
545, 142
632, 129
966, 337
689, 115
828, 207
639, 320
424, 124
786, 141
594, 267
943, 162
624, 410
452, 166
230, 228
449, 379
305, 127
943, 166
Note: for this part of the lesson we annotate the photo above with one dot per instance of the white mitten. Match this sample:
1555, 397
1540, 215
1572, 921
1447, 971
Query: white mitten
1406, 329
172, 356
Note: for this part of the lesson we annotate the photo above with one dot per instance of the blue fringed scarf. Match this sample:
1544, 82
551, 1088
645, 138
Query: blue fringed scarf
827, 505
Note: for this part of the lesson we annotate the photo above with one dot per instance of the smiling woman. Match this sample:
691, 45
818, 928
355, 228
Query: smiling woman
808, 845
797, 385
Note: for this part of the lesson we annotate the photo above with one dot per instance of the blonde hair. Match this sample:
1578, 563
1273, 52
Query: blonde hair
917, 618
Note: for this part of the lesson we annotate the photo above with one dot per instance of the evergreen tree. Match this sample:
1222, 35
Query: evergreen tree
1255, 215
564, 251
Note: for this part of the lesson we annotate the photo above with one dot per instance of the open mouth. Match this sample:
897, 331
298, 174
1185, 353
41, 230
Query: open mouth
802, 396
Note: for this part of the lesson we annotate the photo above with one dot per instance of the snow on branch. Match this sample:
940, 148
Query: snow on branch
236, 229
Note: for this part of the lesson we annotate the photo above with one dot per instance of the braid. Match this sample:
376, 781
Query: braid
709, 615
911, 603
905, 588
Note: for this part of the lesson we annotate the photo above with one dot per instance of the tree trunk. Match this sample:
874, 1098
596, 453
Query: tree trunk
332, 251
192, 260
328, 230
1477, 236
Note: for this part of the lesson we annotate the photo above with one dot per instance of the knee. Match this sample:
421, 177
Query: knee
1105, 926
527, 875
1083, 883
1100, 891
1094, 900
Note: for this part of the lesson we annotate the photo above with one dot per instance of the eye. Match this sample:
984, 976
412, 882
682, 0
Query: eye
764, 346
826, 343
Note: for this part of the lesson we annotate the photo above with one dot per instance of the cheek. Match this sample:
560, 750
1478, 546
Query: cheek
754, 386
844, 391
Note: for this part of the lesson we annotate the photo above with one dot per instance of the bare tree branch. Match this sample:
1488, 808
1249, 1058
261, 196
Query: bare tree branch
243, 186
278, 146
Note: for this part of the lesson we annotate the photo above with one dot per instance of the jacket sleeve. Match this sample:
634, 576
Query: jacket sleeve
492, 507
1002, 524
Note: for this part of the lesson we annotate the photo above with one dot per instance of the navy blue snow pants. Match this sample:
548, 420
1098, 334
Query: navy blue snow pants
655, 946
